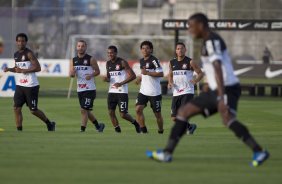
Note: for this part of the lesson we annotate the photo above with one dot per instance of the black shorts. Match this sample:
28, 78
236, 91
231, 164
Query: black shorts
26, 95
86, 99
155, 101
178, 101
120, 99
207, 101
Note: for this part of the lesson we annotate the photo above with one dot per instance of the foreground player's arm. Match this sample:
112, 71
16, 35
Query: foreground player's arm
107, 77
95, 67
35, 66
138, 80
158, 70
170, 78
198, 71
129, 71
219, 79
10, 69
72, 70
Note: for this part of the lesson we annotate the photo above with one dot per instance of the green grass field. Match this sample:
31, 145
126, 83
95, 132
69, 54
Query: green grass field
213, 155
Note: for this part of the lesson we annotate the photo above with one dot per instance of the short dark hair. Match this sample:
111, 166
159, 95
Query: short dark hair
148, 43
22, 35
114, 48
82, 41
200, 17
180, 43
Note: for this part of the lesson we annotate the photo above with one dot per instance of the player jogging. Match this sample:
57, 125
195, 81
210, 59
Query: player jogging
85, 67
150, 89
222, 97
181, 81
27, 85
119, 74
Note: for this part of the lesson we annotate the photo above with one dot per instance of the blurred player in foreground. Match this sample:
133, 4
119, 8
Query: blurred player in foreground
27, 85
119, 74
222, 97
181, 81
85, 67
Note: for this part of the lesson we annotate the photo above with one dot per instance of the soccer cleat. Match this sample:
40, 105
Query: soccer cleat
160, 131
259, 158
51, 127
159, 155
137, 127
191, 129
101, 128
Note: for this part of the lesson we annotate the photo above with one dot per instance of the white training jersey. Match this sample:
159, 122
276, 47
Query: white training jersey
182, 75
214, 49
83, 67
117, 74
150, 86
22, 61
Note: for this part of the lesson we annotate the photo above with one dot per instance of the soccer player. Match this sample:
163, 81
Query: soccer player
27, 85
85, 67
222, 97
182, 82
150, 89
119, 74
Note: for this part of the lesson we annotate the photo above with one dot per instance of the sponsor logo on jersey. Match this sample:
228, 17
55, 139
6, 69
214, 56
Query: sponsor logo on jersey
184, 66
23, 57
80, 68
85, 62
115, 73
23, 81
155, 63
117, 67
179, 72
83, 86
147, 65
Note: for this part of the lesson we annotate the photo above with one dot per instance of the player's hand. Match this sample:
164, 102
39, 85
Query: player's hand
18, 70
144, 71
138, 81
5, 69
88, 76
169, 85
193, 81
117, 85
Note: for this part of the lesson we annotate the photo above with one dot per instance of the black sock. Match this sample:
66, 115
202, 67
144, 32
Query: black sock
118, 129
144, 130
48, 122
135, 123
96, 124
20, 128
242, 133
160, 131
82, 128
177, 131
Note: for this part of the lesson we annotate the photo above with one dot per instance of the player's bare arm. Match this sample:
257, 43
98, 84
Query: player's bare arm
35, 66
198, 71
72, 70
129, 71
138, 80
94, 65
152, 74
10, 69
170, 78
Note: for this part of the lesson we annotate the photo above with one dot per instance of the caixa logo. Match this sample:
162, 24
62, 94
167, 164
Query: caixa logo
51, 68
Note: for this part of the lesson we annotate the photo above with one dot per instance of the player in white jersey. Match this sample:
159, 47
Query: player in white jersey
222, 97
119, 74
85, 68
182, 81
27, 85
150, 89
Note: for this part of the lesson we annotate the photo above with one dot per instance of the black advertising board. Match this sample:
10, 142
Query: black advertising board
227, 25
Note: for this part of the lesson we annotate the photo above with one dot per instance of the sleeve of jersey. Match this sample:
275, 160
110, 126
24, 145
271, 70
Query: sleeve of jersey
158, 67
214, 50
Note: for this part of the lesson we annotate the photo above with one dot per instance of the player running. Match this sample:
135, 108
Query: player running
222, 97
181, 81
119, 74
85, 67
150, 89
27, 85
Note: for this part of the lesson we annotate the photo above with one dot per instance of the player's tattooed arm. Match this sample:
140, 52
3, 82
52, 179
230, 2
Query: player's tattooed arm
107, 77
94, 65
35, 66
199, 72
170, 78
72, 69
129, 71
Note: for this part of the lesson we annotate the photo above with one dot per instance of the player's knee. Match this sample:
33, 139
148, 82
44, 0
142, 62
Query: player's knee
139, 110
17, 109
83, 111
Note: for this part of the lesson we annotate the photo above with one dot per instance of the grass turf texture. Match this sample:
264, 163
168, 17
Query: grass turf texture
212, 155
